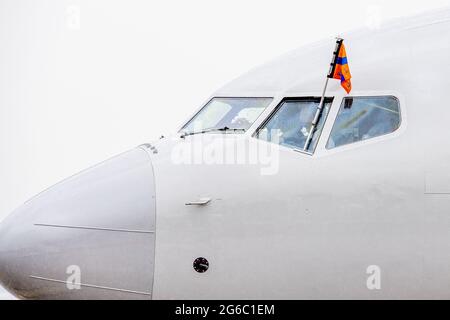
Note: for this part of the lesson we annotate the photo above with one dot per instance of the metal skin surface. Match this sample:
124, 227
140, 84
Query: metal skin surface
309, 231
101, 220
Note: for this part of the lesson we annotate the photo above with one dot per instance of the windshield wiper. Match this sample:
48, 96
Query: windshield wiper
212, 130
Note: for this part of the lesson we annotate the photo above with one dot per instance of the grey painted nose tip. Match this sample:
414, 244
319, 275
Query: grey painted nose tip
78, 239
15, 250
6, 276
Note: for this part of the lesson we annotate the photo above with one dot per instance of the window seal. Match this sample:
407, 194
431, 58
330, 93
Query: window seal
362, 141
327, 100
221, 97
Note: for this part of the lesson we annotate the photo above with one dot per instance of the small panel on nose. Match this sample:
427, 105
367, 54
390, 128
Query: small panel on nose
91, 236
116, 194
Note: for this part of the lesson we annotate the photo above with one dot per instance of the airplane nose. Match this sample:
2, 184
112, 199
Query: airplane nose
12, 252
91, 236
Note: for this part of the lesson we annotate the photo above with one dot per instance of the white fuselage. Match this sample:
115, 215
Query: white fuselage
299, 226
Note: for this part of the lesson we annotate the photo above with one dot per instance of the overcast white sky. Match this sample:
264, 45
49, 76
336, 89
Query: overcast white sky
83, 80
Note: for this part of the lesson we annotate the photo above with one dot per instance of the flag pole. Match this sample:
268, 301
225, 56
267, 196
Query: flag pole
316, 117
315, 121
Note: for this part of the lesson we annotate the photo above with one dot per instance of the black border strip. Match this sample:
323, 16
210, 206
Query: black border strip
339, 43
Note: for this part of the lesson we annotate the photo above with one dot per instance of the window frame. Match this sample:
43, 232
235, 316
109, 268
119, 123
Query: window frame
370, 140
330, 99
196, 113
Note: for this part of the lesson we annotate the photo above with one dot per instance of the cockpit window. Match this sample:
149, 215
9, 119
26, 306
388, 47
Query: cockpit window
234, 114
291, 123
362, 118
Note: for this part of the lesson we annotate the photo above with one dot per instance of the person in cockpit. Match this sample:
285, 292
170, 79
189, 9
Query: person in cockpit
297, 123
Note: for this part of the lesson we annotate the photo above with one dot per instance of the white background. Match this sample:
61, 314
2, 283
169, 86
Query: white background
83, 80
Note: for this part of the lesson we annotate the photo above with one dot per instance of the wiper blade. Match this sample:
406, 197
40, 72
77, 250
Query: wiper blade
212, 130
227, 129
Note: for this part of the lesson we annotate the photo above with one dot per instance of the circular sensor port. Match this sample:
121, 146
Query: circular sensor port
201, 265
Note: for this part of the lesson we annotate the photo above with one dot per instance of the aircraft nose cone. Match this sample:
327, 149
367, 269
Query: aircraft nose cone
12, 251
78, 239
18, 244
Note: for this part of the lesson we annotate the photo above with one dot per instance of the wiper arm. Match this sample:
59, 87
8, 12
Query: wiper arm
227, 129
212, 130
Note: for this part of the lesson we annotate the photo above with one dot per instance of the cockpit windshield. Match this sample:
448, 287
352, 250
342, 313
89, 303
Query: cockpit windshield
227, 114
